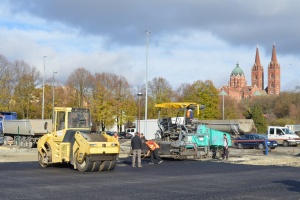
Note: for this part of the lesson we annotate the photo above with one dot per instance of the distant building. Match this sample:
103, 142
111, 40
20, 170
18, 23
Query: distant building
237, 87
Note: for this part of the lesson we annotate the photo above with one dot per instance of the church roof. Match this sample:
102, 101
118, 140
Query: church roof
260, 93
237, 71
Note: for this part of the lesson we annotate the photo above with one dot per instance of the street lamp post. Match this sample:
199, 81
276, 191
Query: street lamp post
146, 95
139, 97
223, 93
223, 107
53, 96
43, 101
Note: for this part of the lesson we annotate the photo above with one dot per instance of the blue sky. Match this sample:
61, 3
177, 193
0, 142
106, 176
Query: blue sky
190, 40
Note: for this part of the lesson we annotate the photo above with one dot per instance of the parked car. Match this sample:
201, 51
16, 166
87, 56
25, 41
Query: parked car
109, 133
254, 141
124, 135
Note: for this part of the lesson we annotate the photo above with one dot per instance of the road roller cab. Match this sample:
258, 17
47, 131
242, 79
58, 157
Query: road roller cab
71, 141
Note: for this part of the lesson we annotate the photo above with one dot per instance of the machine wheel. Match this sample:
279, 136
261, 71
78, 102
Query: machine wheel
96, 166
48, 153
23, 142
285, 143
17, 140
85, 166
113, 164
240, 146
29, 144
40, 158
104, 166
261, 146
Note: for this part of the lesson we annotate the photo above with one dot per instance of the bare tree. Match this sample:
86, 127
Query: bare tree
113, 101
25, 81
81, 81
5, 83
160, 91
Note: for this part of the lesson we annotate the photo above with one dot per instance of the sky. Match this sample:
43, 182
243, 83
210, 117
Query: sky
189, 40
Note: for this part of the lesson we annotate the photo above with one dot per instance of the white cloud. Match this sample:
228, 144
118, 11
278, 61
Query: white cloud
178, 56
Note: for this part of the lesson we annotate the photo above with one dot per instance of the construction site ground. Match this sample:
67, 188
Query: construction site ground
281, 156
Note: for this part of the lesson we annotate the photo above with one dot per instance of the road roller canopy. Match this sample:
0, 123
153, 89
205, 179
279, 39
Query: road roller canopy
178, 105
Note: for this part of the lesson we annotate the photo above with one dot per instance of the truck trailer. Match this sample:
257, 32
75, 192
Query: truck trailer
149, 132
234, 126
25, 132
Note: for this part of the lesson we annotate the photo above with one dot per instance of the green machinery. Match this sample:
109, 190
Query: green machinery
183, 137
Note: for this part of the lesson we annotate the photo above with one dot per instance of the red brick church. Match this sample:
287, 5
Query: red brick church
237, 87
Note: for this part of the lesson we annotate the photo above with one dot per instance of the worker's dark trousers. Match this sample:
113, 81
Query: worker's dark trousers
225, 153
154, 156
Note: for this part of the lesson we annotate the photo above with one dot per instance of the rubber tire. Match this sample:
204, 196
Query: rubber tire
239, 146
96, 166
104, 166
29, 144
22, 143
86, 165
285, 143
113, 164
261, 146
40, 158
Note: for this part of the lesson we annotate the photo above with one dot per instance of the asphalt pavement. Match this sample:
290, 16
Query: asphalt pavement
172, 179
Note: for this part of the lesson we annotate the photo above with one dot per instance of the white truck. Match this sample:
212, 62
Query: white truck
25, 132
283, 135
152, 128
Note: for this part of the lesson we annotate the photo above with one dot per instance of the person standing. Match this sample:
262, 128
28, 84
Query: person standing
116, 136
153, 150
136, 146
142, 137
225, 147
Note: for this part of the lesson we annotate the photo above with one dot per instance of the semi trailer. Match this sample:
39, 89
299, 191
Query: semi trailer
25, 132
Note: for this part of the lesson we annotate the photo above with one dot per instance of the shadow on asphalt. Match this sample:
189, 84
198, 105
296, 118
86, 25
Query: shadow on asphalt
294, 185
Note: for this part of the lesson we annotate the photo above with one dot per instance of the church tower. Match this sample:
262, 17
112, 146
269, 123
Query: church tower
257, 72
237, 78
273, 74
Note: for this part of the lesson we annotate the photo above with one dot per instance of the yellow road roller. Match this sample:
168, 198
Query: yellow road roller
71, 141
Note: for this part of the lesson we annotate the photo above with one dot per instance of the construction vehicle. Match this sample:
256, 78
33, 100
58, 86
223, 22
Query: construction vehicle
24, 132
210, 141
71, 141
182, 137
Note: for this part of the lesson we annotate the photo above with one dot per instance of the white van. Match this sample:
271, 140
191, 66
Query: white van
283, 135
130, 131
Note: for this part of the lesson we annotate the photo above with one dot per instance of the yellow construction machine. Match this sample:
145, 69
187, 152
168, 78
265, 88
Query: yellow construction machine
71, 141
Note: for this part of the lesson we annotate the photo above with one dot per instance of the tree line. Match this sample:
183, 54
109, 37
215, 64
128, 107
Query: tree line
112, 99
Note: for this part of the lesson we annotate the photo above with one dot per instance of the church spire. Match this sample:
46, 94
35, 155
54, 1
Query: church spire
257, 59
274, 58
257, 73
